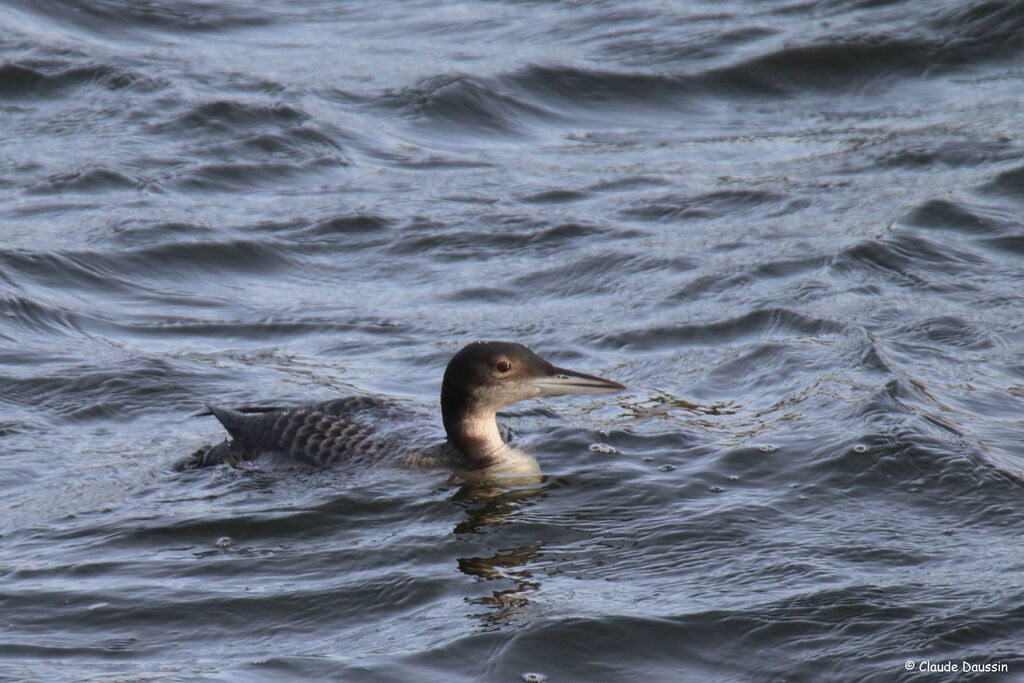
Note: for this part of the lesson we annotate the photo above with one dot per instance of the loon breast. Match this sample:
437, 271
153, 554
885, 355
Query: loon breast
317, 435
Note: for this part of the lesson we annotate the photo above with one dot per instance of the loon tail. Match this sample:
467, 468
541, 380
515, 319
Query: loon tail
231, 419
221, 452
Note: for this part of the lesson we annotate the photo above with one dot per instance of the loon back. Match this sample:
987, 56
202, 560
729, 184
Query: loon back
317, 435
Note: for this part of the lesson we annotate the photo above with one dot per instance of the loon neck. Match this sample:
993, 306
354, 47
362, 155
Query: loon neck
472, 427
477, 437
469, 415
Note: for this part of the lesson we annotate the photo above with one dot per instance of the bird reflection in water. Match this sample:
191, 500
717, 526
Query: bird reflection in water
488, 505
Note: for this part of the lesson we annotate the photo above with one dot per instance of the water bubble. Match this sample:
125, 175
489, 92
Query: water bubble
768, 448
717, 489
224, 542
733, 477
648, 459
534, 677
602, 448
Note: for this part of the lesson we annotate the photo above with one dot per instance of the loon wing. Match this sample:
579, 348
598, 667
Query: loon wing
318, 434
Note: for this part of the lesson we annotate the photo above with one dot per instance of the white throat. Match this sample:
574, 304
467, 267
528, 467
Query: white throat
503, 459
483, 429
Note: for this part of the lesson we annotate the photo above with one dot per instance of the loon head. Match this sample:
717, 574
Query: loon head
485, 376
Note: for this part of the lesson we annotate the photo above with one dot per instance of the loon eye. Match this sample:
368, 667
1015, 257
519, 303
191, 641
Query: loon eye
503, 366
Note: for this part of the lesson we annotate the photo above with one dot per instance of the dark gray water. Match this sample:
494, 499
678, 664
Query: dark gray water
794, 229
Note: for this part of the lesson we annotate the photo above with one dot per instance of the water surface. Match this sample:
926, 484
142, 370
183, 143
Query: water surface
792, 228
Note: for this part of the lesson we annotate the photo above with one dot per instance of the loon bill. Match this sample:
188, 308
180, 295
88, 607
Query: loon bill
480, 379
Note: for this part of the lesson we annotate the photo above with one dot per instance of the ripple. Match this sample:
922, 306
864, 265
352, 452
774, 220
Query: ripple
483, 295
86, 181
83, 393
1007, 183
339, 228
128, 269
516, 235
27, 315
463, 105
712, 205
908, 258
226, 177
584, 88
220, 116
106, 16
555, 197
825, 67
20, 80
774, 322
755, 275
955, 154
948, 330
1012, 244
944, 214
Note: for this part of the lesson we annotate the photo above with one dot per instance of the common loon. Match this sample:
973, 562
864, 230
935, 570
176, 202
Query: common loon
479, 380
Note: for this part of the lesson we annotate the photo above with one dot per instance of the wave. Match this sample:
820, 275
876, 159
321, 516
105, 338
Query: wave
909, 258
82, 392
596, 274
19, 80
505, 233
106, 17
1009, 183
131, 269
460, 105
714, 205
86, 181
753, 275
220, 116
945, 214
774, 322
